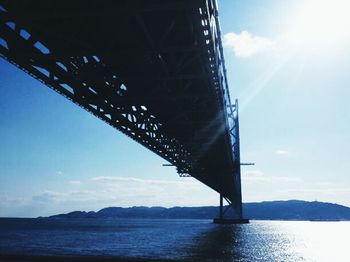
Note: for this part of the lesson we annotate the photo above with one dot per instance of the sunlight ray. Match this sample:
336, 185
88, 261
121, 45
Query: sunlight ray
261, 83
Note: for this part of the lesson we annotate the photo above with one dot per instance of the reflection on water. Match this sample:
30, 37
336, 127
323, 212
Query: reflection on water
254, 242
177, 239
211, 243
220, 242
275, 241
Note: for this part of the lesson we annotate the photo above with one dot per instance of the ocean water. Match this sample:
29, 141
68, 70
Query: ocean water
176, 239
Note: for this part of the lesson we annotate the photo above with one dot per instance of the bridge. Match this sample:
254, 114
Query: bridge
152, 69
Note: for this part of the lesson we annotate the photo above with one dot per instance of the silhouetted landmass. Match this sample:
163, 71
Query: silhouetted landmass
270, 210
296, 210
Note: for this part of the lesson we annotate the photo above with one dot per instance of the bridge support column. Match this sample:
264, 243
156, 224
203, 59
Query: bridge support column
221, 207
229, 219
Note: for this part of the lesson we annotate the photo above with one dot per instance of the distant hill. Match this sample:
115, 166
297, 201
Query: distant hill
269, 210
296, 210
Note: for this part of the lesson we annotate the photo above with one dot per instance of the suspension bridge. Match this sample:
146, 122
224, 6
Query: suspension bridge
152, 69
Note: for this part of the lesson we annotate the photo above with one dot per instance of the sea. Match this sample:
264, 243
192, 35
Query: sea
173, 240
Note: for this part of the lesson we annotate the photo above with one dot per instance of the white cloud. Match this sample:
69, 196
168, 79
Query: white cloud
75, 182
253, 173
49, 196
281, 152
257, 176
253, 176
117, 180
149, 192
311, 191
245, 44
59, 172
258, 186
103, 191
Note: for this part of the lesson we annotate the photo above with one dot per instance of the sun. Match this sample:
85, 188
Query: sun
320, 24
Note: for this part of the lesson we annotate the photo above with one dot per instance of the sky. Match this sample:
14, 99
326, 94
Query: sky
288, 64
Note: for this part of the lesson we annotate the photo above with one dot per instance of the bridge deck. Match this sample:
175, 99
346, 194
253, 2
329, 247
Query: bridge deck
152, 69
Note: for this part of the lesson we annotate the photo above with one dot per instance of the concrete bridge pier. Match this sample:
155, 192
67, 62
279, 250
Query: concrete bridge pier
229, 218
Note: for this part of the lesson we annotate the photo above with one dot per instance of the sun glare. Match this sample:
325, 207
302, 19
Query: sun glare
320, 24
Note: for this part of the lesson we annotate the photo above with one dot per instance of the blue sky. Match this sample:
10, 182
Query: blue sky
287, 65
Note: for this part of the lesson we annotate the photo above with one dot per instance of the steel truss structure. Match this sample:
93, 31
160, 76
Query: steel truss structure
152, 69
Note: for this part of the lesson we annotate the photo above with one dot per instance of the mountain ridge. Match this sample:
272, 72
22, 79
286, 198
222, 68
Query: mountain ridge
266, 210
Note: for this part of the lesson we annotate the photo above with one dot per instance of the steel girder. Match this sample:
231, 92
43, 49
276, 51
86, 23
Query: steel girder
102, 95
153, 69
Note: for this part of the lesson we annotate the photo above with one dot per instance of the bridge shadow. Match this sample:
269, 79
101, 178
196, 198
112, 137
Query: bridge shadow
221, 243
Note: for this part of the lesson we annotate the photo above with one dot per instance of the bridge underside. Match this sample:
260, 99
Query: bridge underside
152, 69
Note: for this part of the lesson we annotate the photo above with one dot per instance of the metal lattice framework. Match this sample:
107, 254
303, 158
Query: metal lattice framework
152, 69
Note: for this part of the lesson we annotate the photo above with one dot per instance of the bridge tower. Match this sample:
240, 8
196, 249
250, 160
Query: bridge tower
233, 212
